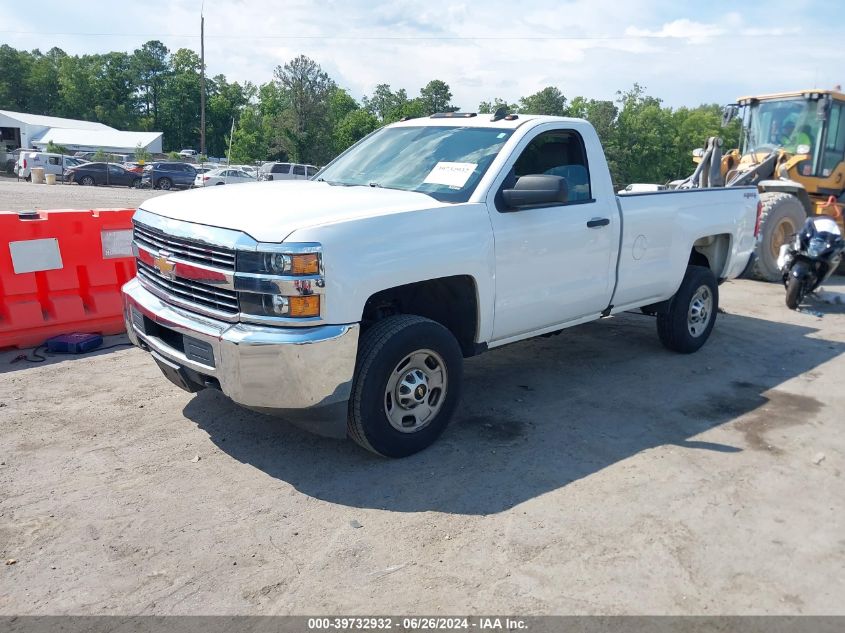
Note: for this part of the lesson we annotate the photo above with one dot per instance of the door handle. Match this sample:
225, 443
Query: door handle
596, 222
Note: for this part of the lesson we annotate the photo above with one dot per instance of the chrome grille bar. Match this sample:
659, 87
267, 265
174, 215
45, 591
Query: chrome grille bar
186, 249
225, 301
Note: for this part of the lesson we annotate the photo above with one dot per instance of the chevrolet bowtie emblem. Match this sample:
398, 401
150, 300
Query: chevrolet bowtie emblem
162, 264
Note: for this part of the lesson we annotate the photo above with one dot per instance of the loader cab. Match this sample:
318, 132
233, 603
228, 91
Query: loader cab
809, 127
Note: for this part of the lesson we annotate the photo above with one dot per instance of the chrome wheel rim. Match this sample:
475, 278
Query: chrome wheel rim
415, 391
164, 184
700, 311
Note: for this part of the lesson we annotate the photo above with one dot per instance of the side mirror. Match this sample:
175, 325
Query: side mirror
536, 190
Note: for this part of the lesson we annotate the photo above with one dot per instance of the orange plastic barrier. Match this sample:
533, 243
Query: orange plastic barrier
61, 272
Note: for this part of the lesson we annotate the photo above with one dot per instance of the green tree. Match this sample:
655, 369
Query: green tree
14, 71
151, 66
549, 100
249, 142
352, 128
141, 154
52, 148
180, 101
489, 107
385, 104
303, 132
436, 97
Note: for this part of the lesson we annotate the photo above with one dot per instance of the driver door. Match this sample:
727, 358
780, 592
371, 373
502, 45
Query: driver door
556, 263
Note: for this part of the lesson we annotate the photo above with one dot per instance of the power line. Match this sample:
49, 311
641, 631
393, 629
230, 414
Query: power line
411, 37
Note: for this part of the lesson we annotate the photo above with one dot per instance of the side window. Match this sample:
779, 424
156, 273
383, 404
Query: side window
281, 168
53, 160
299, 170
114, 170
310, 171
834, 147
558, 153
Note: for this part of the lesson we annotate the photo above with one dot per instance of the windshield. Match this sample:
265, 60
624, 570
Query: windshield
443, 162
791, 124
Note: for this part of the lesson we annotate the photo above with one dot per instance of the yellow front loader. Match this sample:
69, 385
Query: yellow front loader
793, 150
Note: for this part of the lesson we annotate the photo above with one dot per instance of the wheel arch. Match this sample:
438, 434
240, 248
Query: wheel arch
451, 301
713, 252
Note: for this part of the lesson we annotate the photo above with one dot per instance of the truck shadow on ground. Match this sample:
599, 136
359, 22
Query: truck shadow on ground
538, 415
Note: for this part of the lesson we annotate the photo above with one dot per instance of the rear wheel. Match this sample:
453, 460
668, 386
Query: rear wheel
686, 325
136, 183
406, 386
782, 216
165, 183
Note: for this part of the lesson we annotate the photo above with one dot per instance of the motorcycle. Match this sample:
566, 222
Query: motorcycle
810, 258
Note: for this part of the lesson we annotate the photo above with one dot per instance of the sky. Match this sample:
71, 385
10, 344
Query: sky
685, 53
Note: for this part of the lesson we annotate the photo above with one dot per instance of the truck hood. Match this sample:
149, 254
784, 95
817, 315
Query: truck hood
270, 211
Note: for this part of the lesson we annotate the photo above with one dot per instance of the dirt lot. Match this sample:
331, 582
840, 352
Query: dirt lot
19, 196
591, 472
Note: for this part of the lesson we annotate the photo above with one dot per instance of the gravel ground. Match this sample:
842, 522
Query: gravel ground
20, 196
592, 472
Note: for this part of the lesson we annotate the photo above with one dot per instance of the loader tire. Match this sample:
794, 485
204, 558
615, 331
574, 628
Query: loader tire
783, 215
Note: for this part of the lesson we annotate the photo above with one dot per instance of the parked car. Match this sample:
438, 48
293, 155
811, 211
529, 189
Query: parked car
168, 175
188, 153
286, 171
103, 174
225, 176
349, 302
642, 187
57, 164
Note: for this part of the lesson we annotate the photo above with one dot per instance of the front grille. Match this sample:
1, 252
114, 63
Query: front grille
189, 250
189, 291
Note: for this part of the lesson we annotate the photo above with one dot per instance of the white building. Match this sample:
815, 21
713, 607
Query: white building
18, 129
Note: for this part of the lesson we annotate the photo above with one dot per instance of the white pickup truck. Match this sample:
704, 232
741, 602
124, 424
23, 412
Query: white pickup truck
353, 298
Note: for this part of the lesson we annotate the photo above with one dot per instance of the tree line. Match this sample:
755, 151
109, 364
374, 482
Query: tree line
302, 115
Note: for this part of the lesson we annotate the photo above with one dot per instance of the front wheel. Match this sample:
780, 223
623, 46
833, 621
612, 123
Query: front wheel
406, 387
794, 294
136, 183
165, 184
689, 319
88, 181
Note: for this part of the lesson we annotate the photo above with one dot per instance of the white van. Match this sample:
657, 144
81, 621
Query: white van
286, 171
52, 164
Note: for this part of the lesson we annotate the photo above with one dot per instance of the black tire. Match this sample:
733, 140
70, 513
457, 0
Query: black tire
794, 294
87, 181
165, 184
136, 183
219, 183
783, 215
381, 350
674, 327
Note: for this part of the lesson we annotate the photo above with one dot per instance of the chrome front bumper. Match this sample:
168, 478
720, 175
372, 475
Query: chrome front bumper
291, 368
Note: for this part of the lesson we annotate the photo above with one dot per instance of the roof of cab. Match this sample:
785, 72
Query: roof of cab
481, 120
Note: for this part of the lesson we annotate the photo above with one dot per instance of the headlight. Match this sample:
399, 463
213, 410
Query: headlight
301, 306
816, 247
281, 264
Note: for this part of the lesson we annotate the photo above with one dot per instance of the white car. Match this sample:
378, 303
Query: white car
188, 153
642, 187
348, 303
227, 176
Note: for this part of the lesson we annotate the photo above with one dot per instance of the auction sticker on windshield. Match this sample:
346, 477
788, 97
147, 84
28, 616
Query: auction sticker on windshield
450, 174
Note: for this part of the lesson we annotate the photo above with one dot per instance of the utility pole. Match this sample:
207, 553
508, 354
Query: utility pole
202, 83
